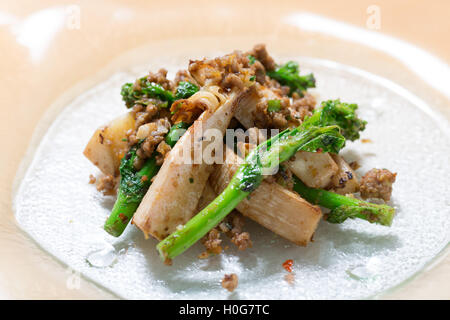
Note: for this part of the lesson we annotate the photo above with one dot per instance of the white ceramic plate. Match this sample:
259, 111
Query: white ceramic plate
57, 207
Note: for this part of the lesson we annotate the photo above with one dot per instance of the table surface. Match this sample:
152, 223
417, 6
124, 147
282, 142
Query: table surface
25, 272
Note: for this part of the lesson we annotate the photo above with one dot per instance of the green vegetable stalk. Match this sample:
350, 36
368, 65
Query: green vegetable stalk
135, 183
343, 207
145, 90
132, 188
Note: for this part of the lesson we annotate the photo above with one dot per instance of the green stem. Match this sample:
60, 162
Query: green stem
343, 207
198, 226
126, 205
133, 188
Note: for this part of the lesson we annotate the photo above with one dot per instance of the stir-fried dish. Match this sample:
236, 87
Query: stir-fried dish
232, 137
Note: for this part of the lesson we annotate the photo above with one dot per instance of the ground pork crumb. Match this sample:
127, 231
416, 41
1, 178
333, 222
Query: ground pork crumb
153, 133
161, 78
184, 75
229, 71
230, 282
289, 115
238, 237
242, 240
231, 226
106, 184
260, 53
377, 183
212, 242
92, 179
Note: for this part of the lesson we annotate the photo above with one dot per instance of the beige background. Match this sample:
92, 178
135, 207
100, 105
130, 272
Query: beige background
30, 88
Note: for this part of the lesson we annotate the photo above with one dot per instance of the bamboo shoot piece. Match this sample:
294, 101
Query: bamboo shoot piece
315, 169
173, 196
208, 195
271, 205
108, 144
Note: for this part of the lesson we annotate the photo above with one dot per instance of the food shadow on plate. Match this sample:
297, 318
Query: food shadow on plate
107, 202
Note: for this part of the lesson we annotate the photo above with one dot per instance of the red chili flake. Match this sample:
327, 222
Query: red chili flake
288, 265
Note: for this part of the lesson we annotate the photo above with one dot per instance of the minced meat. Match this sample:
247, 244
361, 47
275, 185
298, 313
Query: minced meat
163, 150
212, 242
161, 78
231, 226
230, 282
377, 183
260, 53
184, 75
229, 71
153, 133
106, 184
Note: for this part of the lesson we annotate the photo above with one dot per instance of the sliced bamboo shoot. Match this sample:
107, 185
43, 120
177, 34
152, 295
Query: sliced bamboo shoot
208, 195
271, 205
108, 144
314, 169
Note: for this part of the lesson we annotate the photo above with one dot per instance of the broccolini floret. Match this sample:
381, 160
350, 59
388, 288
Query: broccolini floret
343, 207
145, 90
185, 90
288, 75
335, 112
132, 188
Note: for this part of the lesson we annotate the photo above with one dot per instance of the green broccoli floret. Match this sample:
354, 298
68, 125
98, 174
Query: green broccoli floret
288, 75
132, 94
335, 112
185, 90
